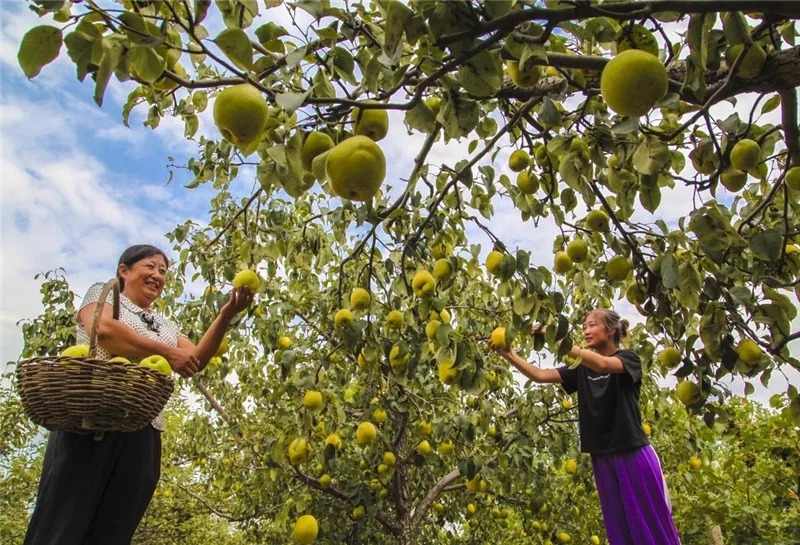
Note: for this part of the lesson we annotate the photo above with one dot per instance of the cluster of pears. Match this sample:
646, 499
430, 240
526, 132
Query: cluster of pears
745, 157
155, 362
360, 299
577, 251
355, 167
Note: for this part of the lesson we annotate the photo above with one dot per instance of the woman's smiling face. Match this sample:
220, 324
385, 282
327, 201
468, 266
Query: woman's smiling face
145, 279
595, 332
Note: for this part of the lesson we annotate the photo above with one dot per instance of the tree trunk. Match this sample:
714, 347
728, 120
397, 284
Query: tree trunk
714, 533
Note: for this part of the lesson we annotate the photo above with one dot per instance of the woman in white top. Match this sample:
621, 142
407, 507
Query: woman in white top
96, 492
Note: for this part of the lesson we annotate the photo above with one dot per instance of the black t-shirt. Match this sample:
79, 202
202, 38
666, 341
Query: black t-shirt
608, 405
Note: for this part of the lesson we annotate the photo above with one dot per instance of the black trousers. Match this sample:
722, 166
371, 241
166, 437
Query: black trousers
95, 492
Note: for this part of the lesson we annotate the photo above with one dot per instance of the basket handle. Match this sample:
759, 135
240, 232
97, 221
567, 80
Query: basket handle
98, 311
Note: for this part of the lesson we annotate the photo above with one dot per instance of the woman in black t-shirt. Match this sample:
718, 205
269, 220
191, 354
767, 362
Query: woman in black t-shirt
630, 485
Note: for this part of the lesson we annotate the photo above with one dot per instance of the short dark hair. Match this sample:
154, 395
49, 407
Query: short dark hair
136, 253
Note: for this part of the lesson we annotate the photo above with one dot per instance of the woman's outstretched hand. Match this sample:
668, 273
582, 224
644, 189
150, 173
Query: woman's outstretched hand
506, 352
538, 328
241, 298
182, 362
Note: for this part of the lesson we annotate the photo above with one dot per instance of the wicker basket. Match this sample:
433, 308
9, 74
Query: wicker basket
88, 395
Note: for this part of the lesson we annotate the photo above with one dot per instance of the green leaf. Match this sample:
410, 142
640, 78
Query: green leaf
548, 113
628, 125
523, 304
565, 347
669, 272
147, 64
112, 50
135, 27
344, 65
238, 13
421, 118
323, 88
482, 75
415, 28
443, 334
269, 31
351, 391
191, 124
313, 7
291, 101
236, 46
697, 39
201, 10
649, 196
771, 104
396, 16
651, 156
79, 48
794, 409
767, 245
295, 56
691, 283
133, 100
570, 170
39, 46
532, 51
713, 328
741, 294
487, 127
459, 116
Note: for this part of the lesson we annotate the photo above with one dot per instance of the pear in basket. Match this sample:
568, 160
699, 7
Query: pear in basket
157, 363
77, 351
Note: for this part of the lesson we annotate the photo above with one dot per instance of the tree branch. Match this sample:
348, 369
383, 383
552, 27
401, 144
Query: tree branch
217, 407
458, 175
227, 226
207, 505
622, 11
789, 122
781, 71
425, 503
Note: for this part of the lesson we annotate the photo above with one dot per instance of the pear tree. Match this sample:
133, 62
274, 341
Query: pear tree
607, 106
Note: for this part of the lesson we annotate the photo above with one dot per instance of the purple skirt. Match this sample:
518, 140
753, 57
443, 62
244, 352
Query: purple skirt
634, 498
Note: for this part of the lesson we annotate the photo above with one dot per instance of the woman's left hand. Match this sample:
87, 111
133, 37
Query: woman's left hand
241, 298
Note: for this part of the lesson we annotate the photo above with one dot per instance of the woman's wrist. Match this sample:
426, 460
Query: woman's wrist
226, 315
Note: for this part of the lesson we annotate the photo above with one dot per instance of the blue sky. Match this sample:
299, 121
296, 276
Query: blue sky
77, 186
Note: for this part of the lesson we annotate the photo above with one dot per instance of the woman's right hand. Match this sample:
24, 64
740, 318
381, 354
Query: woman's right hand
507, 353
538, 328
182, 362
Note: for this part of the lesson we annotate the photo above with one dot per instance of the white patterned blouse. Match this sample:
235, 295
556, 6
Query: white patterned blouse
145, 323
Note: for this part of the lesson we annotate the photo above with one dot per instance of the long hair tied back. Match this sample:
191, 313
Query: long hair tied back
613, 322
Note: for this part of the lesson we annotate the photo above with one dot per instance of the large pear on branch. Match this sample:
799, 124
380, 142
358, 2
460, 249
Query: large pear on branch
356, 168
633, 82
241, 114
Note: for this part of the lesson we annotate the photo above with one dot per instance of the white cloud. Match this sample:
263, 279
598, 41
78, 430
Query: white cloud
59, 209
